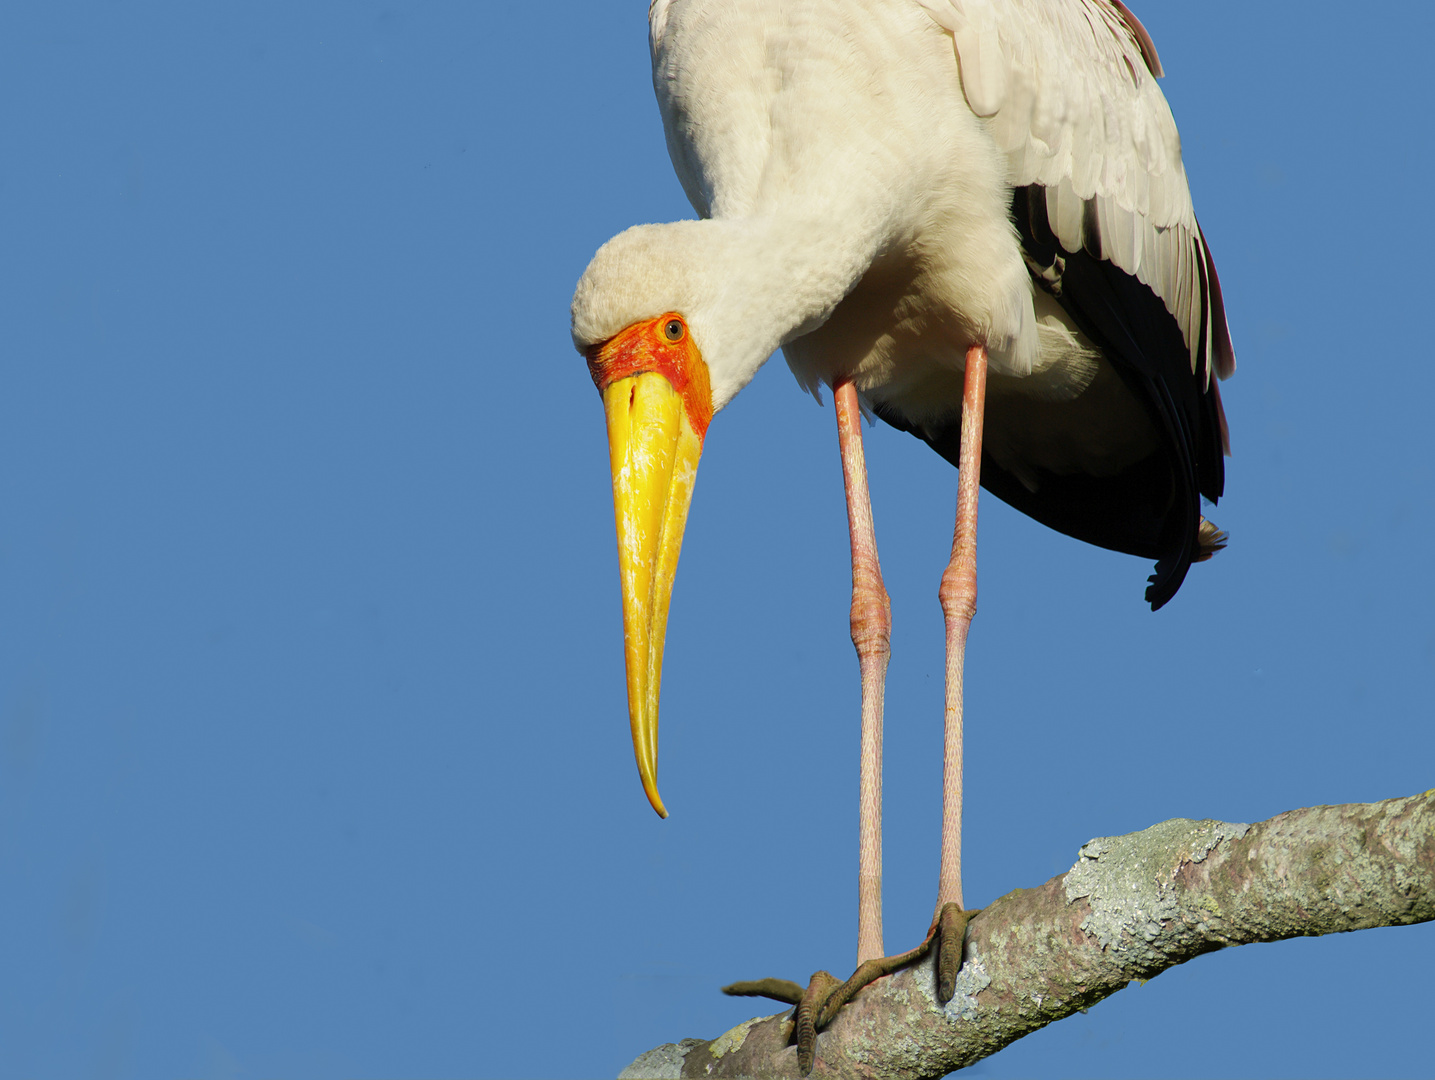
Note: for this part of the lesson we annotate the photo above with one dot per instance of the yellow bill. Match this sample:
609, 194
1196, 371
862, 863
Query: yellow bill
654, 451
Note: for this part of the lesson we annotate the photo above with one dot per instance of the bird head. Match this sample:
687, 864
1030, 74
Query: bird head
674, 321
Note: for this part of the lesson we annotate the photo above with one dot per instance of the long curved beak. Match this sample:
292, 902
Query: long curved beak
654, 454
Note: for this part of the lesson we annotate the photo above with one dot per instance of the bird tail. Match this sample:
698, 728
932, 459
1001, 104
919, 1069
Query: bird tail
1209, 540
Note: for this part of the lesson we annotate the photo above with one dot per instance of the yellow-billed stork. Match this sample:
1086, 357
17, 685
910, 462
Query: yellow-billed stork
970, 216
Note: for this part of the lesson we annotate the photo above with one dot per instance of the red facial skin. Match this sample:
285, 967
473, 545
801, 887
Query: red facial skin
646, 347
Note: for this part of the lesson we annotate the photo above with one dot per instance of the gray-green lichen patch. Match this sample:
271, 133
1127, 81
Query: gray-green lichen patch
660, 1063
1128, 881
972, 979
734, 1038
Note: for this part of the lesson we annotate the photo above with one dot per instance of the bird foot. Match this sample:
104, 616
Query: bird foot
824, 996
950, 930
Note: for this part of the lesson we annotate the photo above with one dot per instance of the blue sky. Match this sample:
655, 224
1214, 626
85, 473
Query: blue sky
313, 745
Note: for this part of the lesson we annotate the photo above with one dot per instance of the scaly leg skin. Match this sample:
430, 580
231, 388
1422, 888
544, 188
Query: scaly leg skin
871, 625
958, 595
871, 634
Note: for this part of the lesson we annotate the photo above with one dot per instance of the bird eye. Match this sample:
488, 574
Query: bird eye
673, 329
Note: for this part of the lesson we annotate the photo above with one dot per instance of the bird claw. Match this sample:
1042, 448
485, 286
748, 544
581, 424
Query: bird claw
811, 1017
950, 928
825, 996
777, 989
812, 1004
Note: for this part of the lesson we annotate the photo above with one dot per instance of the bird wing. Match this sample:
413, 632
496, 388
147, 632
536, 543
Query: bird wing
1069, 91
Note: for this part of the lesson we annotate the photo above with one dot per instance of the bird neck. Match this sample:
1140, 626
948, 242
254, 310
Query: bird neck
767, 280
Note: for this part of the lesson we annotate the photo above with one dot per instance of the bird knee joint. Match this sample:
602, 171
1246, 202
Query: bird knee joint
871, 625
960, 606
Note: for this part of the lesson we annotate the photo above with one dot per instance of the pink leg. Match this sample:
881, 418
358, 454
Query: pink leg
871, 633
959, 603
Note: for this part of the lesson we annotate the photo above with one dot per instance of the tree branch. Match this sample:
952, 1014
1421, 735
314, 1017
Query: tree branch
1130, 908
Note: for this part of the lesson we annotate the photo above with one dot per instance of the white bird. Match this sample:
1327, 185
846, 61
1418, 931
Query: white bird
970, 216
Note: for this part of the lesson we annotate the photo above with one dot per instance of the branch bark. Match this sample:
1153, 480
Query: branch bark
1130, 908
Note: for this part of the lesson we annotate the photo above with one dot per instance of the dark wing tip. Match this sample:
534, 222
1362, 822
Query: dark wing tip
1166, 581
1171, 569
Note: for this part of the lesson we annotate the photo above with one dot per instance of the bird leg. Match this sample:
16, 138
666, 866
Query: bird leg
958, 594
871, 618
871, 634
